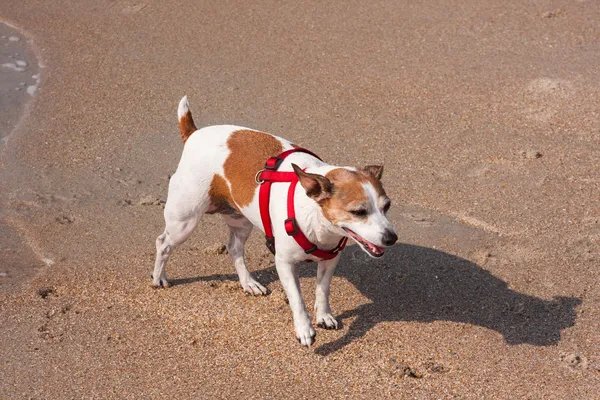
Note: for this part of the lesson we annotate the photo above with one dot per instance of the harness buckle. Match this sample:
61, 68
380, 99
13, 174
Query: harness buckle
291, 226
311, 250
257, 177
270, 244
273, 163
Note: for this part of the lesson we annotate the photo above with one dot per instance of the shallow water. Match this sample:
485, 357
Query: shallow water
19, 78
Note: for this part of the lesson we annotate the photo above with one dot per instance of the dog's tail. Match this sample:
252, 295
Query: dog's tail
186, 122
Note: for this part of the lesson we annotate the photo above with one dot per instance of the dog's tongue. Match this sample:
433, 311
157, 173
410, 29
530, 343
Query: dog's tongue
375, 249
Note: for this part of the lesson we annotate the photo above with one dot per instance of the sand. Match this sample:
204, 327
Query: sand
485, 115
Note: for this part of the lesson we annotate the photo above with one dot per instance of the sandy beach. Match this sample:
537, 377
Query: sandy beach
485, 115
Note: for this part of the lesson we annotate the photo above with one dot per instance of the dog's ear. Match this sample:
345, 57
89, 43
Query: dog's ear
317, 186
374, 170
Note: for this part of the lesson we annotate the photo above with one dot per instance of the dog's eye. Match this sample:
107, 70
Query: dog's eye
359, 213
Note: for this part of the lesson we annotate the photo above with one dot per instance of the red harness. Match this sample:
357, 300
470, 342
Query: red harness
266, 177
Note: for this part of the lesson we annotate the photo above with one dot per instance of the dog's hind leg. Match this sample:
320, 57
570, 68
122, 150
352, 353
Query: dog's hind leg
240, 229
182, 213
176, 232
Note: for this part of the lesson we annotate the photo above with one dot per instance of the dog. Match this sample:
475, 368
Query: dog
251, 178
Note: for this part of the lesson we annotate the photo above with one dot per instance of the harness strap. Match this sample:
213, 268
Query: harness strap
270, 175
292, 229
263, 202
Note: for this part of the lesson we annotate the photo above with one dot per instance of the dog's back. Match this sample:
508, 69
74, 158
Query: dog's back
219, 164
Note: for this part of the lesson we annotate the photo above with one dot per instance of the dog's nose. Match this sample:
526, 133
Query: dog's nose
389, 238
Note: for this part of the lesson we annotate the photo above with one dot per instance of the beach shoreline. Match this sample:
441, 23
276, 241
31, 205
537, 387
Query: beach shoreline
19, 80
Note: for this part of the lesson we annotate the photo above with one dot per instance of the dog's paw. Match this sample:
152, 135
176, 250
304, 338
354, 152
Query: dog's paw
327, 321
254, 288
160, 282
306, 335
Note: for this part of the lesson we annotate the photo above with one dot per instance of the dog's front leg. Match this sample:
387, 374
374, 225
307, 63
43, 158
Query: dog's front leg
322, 309
305, 333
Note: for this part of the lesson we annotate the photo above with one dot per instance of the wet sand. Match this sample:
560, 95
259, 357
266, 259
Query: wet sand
485, 116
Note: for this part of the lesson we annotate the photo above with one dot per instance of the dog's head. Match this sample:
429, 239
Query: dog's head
354, 201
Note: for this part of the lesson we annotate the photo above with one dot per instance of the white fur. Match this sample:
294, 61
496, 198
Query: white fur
203, 156
377, 223
184, 107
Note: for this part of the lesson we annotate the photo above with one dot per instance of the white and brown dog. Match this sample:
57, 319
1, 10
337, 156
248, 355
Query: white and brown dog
221, 171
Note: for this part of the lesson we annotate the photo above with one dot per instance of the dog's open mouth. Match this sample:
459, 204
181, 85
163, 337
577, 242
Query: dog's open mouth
370, 248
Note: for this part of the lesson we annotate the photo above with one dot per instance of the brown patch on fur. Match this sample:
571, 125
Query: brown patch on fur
220, 197
376, 171
249, 151
347, 191
377, 185
373, 174
186, 126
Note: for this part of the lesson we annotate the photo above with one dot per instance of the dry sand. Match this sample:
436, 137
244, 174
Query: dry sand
485, 114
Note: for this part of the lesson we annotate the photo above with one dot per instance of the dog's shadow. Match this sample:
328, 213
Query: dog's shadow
414, 283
